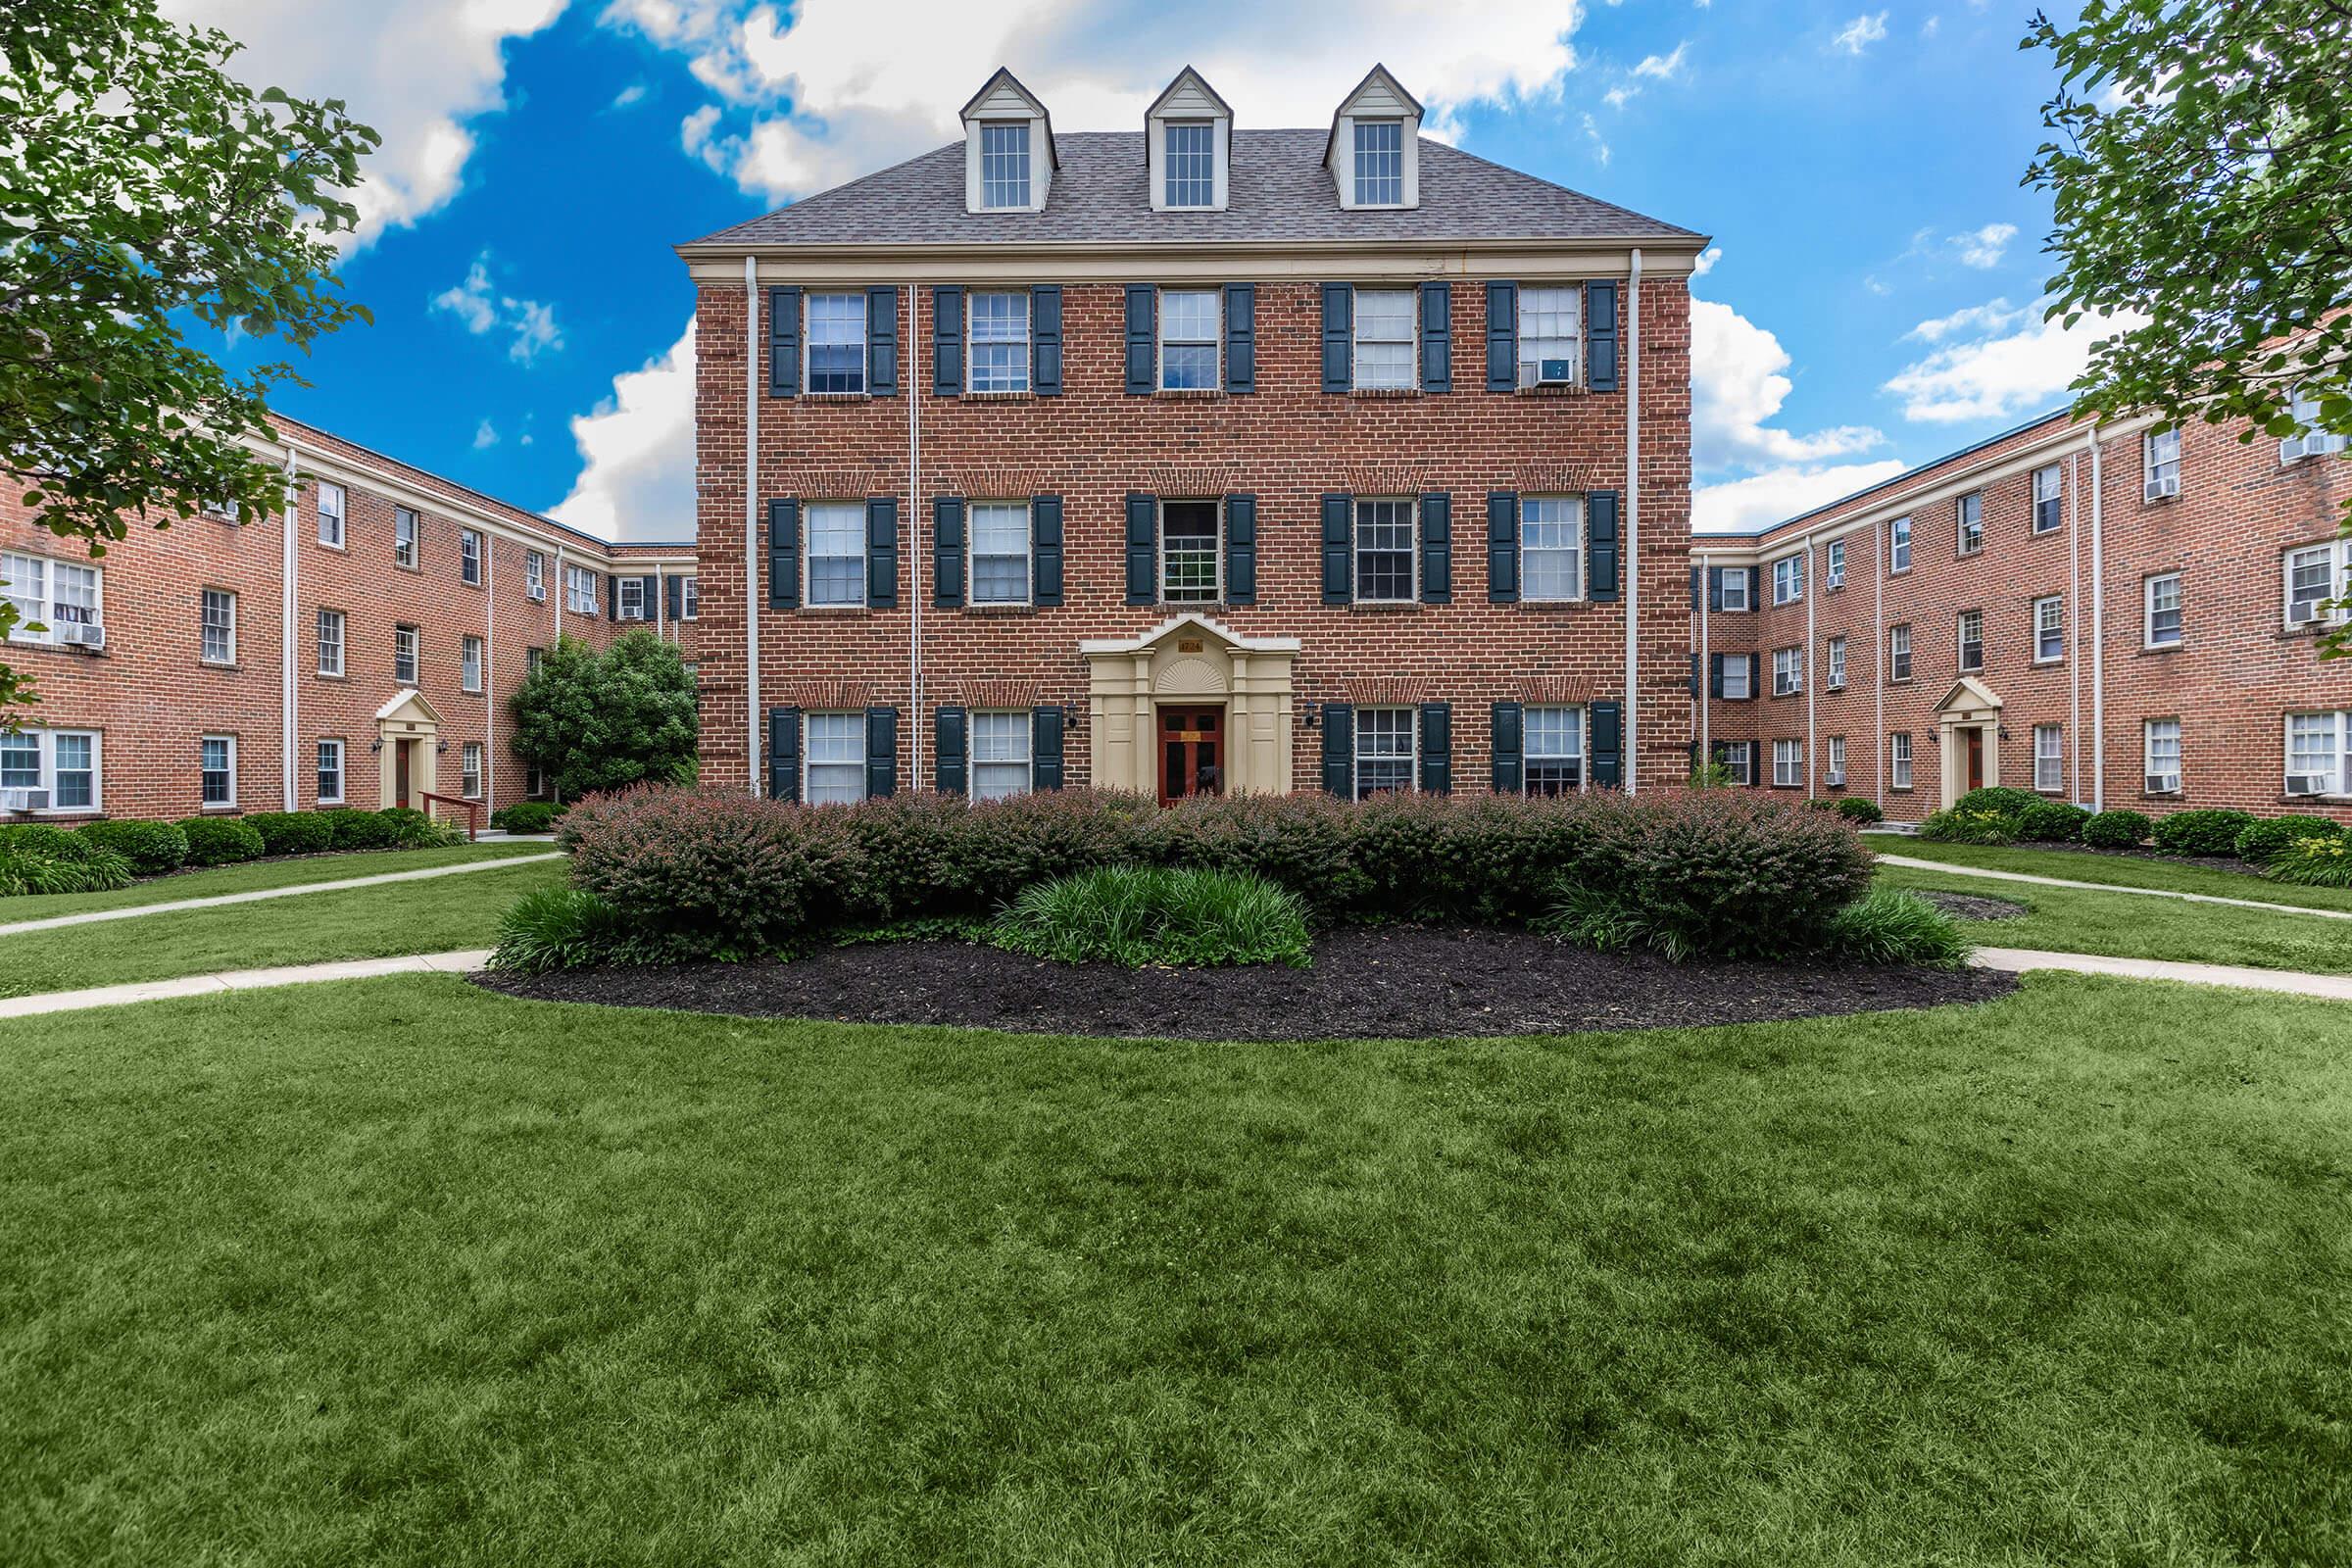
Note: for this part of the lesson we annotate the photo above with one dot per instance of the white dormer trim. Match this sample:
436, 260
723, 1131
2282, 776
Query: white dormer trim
1378, 97
1003, 100
1189, 99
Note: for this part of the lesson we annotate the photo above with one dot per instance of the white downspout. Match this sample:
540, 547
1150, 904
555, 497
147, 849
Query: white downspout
1806, 672
2099, 633
560, 587
1884, 745
288, 609
1706, 663
2074, 590
1632, 545
752, 736
914, 552
489, 675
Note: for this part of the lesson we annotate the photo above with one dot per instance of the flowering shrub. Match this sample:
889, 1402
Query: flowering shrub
2320, 862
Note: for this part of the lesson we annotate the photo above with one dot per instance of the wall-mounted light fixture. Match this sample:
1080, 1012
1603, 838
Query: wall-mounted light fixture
1313, 713
375, 745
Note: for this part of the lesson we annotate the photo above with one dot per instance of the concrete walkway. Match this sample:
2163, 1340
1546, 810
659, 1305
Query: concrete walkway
2020, 960
205, 985
130, 911
1917, 864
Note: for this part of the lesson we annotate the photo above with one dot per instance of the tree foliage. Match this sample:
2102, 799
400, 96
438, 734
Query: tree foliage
603, 721
2200, 166
142, 189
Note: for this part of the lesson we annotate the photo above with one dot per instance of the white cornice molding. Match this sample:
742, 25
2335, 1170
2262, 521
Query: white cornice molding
1344, 260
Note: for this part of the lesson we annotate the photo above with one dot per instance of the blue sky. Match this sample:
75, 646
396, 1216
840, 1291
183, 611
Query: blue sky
1870, 307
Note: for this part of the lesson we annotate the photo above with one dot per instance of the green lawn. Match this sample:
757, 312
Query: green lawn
2114, 870
398, 1272
253, 878
431, 916
2129, 927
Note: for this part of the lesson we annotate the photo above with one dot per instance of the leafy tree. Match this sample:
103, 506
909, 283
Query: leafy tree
601, 721
142, 189
2201, 169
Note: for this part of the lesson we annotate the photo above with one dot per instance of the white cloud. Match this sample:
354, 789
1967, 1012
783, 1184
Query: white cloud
629, 97
418, 72
482, 309
1618, 97
1742, 506
1600, 143
637, 454
1706, 261
1860, 33
1664, 68
1737, 386
1985, 247
1992, 315
2012, 360
485, 436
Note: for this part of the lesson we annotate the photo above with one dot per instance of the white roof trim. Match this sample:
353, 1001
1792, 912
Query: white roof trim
1968, 694
1199, 622
404, 698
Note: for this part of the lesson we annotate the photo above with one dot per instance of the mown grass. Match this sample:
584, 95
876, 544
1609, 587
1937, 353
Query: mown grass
2114, 870
431, 916
253, 877
402, 1273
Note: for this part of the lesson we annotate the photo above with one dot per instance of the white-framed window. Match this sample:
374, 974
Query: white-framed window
2047, 513
330, 642
1379, 163
469, 770
2162, 597
579, 590
328, 766
223, 510
1736, 671
1384, 337
2050, 629
469, 664
1000, 552
332, 504
1000, 756
1551, 549
218, 770
1190, 563
1000, 350
1971, 639
1189, 338
1898, 760
470, 556
1386, 553
57, 596
1192, 163
2160, 458
534, 576
690, 599
1788, 763
836, 551
534, 780
628, 599
1834, 577
1553, 759
1788, 579
1739, 758
404, 655
1898, 545
2160, 745
2318, 754
1898, 651
833, 770
532, 659
2314, 575
1970, 513
1386, 751
1551, 333
403, 537
1836, 671
218, 638
1005, 164
2314, 441
63, 763
1735, 588
2049, 758
1832, 762
1788, 671
834, 345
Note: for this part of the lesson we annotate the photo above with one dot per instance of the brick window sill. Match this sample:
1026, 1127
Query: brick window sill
999, 397
2175, 795
995, 612
2159, 649
1381, 607
837, 397
228, 668
1379, 393
1557, 606
1187, 394
1573, 390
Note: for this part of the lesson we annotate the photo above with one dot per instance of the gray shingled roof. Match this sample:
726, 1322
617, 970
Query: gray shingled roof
1279, 190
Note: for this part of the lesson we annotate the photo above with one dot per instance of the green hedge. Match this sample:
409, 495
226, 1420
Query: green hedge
151, 847
1963, 825
2116, 830
40, 857
1859, 809
294, 832
2001, 800
2261, 843
526, 817
356, 829
2051, 822
220, 840
2212, 832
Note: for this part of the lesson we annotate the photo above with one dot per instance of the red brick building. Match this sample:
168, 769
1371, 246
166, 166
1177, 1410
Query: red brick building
358, 648
2124, 617
1193, 458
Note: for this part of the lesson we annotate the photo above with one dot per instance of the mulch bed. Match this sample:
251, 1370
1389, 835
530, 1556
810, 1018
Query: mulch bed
1971, 906
1390, 982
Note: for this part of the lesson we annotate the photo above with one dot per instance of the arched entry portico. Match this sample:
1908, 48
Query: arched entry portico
408, 740
1207, 681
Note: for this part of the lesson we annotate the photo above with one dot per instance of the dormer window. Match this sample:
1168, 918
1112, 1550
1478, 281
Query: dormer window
1379, 163
1374, 149
1187, 134
1009, 158
1192, 163
1005, 166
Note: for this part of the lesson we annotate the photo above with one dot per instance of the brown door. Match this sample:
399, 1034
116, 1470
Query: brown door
1192, 752
400, 771
1975, 758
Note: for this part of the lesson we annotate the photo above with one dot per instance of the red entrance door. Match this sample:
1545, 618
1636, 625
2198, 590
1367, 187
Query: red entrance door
1192, 749
400, 771
1975, 758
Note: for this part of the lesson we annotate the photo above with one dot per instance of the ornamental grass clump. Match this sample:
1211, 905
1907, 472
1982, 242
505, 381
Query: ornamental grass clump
1891, 927
1961, 825
36, 857
2318, 862
1156, 914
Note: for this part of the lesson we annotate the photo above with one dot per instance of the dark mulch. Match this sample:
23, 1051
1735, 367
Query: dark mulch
1391, 982
1971, 906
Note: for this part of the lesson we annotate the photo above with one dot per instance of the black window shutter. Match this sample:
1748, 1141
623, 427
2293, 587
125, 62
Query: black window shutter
1755, 665
1600, 537
783, 753
947, 551
1715, 674
1437, 550
882, 341
1695, 590
881, 551
1693, 674
1436, 338
1502, 337
1045, 340
1338, 315
1510, 761
881, 752
673, 596
1338, 576
1143, 549
1600, 336
1045, 549
1338, 748
783, 555
1714, 587
1044, 748
650, 586
948, 751
1241, 550
783, 342
1437, 749
1502, 548
1241, 338
1143, 347
613, 597
1608, 741
947, 340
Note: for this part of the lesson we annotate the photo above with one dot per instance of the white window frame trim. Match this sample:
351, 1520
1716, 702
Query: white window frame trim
203, 804
1355, 549
229, 661
866, 338
1025, 725
2148, 755
2339, 567
1216, 339
342, 642
971, 560
45, 741
342, 769
1160, 517
2340, 786
2148, 609
2034, 621
1355, 747
341, 515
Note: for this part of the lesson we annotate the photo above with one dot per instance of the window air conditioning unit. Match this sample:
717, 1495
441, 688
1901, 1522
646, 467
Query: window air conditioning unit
23, 799
2306, 783
2158, 489
2163, 783
1555, 373
82, 634
1837, 782
1834, 580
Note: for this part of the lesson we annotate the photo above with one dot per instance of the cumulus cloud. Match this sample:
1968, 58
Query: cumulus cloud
1860, 33
485, 436
1706, 261
1985, 247
481, 308
1738, 384
1743, 506
1993, 316
637, 454
1664, 68
1991, 361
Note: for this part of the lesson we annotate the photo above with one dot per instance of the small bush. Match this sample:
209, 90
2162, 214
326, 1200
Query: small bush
2116, 830
1139, 914
2051, 822
2202, 832
294, 832
2318, 862
355, 829
562, 928
44, 838
412, 829
220, 840
1889, 927
2261, 843
1858, 808
2001, 800
153, 848
70, 867
1960, 825
526, 817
